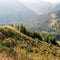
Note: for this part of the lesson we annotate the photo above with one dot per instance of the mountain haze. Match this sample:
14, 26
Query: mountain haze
46, 21
12, 11
41, 7
34, 14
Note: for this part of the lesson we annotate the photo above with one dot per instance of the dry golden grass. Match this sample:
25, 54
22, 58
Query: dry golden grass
30, 49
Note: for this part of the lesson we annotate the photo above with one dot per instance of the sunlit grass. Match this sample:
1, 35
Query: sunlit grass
22, 47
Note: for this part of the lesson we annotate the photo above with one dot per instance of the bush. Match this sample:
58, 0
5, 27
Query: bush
32, 34
53, 41
11, 25
37, 35
23, 29
9, 42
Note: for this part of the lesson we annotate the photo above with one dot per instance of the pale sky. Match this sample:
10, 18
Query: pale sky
53, 1
33, 1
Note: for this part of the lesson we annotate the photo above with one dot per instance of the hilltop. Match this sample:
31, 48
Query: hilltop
16, 45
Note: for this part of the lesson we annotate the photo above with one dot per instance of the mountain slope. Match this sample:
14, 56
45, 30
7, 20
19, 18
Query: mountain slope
57, 7
12, 11
40, 7
16, 46
47, 21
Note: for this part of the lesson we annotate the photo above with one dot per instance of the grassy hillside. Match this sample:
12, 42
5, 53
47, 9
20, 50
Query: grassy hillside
15, 45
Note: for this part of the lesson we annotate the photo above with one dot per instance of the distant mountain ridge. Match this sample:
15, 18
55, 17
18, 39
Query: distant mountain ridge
41, 7
12, 11
43, 22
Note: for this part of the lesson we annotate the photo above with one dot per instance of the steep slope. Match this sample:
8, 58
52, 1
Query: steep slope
40, 7
15, 45
57, 7
12, 11
46, 22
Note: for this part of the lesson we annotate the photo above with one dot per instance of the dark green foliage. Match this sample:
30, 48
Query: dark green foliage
1, 36
17, 27
37, 35
23, 29
29, 50
9, 42
48, 40
16, 44
11, 25
53, 41
7, 32
32, 34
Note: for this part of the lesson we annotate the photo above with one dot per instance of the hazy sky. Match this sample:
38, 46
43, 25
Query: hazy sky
53, 1
33, 1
